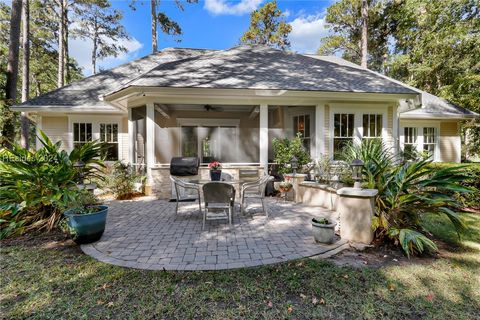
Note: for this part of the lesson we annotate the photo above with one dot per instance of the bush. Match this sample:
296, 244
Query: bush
471, 171
41, 182
285, 149
123, 180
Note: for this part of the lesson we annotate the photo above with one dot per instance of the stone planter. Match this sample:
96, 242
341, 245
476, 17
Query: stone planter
87, 227
215, 175
323, 233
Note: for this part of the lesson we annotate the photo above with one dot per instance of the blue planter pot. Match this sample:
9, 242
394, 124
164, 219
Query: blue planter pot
87, 227
215, 175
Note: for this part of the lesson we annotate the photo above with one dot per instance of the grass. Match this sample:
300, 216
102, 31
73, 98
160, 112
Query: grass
44, 282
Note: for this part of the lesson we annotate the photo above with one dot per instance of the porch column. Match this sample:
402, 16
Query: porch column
319, 130
131, 137
150, 143
264, 136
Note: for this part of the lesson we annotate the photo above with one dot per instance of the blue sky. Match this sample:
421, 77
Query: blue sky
213, 24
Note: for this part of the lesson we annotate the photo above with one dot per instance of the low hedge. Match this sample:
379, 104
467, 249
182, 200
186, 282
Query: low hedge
471, 170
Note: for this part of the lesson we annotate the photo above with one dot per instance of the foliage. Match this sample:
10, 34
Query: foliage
329, 171
10, 222
377, 160
123, 180
410, 191
268, 27
101, 24
344, 18
41, 181
472, 181
82, 202
320, 220
285, 149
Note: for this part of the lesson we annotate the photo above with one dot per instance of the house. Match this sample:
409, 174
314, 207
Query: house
229, 105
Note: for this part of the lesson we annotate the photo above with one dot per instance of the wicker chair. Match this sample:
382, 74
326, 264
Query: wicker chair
255, 190
219, 199
179, 185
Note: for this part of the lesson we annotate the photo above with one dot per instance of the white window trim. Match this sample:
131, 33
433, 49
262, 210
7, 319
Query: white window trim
420, 127
96, 120
358, 110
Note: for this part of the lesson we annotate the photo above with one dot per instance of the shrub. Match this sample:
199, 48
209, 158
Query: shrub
285, 149
42, 181
472, 173
123, 180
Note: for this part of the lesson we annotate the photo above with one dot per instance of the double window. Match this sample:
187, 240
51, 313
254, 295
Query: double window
301, 124
419, 140
109, 135
82, 133
343, 124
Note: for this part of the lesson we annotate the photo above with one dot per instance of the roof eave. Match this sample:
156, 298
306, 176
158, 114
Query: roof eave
439, 116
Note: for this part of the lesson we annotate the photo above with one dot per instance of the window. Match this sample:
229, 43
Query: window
82, 133
301, 124
109, 135
343, 131
410, 143
372, 125
429, 141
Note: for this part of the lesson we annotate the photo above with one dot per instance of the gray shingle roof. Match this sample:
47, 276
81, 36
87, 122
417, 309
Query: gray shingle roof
261, 67
87, 92
431, 105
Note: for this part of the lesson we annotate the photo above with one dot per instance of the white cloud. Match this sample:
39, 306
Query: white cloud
81, 50
306, 33
227, 7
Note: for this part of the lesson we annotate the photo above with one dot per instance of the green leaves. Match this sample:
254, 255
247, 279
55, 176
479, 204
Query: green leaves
414, 242
285, 149
268, 27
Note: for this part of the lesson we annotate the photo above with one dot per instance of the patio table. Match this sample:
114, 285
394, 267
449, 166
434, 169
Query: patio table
235, 183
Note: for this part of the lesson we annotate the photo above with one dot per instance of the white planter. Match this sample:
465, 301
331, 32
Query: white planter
323, 233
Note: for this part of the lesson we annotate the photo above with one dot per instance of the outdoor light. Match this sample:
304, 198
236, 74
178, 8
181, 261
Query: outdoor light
79, 165
357, 166
294, 164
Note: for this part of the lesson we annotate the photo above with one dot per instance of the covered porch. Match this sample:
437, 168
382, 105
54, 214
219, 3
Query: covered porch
239, 136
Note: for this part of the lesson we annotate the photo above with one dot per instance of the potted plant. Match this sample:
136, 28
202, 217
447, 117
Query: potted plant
323, 230
285, 186
85, 217
215, 170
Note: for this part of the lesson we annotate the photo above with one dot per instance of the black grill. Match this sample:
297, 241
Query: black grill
184, 166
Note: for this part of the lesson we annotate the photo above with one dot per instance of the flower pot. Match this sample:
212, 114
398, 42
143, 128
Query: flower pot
215, 175
283, 189
323, 233
87, 227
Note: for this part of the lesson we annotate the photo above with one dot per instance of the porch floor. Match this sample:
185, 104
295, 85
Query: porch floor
146, 234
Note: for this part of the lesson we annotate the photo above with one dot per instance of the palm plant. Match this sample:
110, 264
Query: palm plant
42, 181
409, 192
406, 192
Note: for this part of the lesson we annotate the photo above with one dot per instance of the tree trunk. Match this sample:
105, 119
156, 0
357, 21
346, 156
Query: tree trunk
153, 5
65, 48
25, 123
8, 130
364, 33
94, 56
61, 44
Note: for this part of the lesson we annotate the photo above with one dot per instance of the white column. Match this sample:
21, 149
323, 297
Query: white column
150, 145
264, 136
131, 138
395, 131
319, 130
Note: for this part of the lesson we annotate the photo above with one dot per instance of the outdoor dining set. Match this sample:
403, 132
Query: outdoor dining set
219, 196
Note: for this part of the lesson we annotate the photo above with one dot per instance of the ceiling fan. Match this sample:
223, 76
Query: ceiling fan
209, 107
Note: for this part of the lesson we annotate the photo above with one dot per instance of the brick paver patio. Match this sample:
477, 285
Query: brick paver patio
146, 234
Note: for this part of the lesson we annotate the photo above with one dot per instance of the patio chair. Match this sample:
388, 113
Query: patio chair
255, 190
180, 184
219, 199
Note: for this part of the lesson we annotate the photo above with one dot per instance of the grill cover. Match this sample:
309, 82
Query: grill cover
184, 166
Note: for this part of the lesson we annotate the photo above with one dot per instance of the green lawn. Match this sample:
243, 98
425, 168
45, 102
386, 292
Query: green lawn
42, 282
